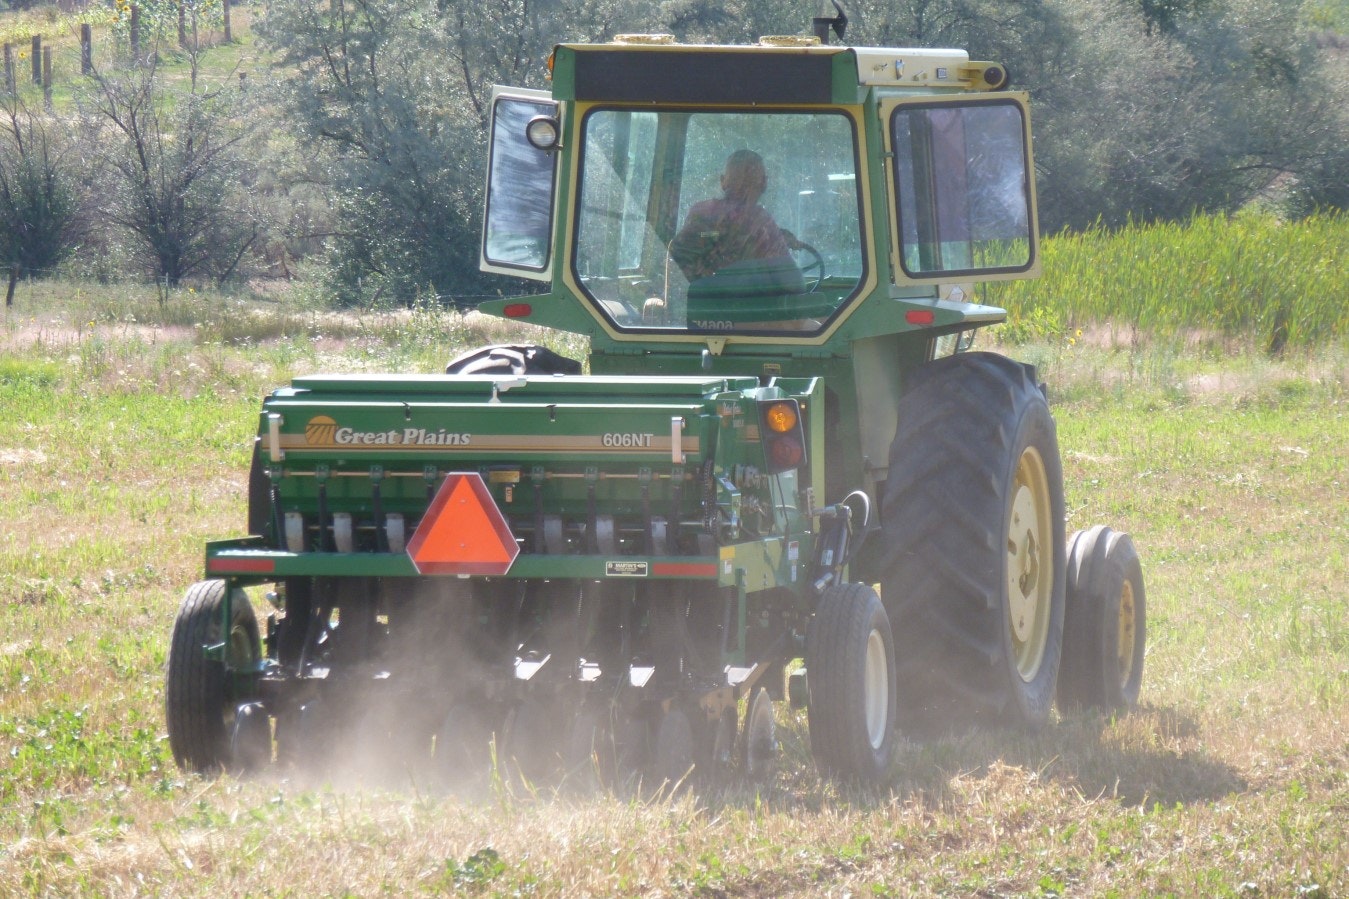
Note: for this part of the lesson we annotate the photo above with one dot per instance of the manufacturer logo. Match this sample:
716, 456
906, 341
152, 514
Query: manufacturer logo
322, 431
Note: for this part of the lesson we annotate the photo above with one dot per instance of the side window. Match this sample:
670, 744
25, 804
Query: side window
963, 182
517, 224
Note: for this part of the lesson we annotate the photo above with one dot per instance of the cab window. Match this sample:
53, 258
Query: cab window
703, 221
517, 224
963, 183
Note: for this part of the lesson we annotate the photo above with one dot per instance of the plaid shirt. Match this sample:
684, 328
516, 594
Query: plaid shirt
720, 232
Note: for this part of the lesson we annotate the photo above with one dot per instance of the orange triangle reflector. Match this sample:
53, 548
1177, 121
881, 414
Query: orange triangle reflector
463, 531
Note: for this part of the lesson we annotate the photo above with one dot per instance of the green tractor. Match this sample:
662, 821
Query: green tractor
785, 478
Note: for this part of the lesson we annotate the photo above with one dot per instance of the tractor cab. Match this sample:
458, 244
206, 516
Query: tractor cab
762, 194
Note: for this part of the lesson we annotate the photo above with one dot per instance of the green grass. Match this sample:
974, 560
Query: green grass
1211, 279
124, 435
218, 62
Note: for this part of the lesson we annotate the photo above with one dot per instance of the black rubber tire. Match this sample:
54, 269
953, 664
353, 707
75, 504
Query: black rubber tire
259, 494
534, 741
464, 747
674, 749
512, 359
976, 445
850, 661
759, 741
199, 704
1105, 622
590, 756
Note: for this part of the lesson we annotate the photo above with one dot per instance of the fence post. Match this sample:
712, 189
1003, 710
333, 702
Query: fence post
13, 280
135, 34
86, 48
47, 78
37, 59
225, 12
9, 69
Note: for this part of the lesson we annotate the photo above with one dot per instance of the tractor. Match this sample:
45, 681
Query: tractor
782, 476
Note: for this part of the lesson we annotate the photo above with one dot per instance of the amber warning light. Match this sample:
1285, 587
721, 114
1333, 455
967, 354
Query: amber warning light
784, 442
463, 532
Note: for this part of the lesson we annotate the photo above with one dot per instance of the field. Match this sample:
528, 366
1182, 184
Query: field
124, 438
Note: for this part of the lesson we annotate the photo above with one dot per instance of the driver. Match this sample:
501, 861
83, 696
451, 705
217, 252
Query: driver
733, 231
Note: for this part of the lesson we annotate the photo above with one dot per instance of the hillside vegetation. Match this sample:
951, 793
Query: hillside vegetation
343, 143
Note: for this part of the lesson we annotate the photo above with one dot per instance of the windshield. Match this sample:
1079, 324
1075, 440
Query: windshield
718, 221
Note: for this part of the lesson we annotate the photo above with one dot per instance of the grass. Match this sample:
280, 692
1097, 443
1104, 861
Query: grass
217, 60
124, 434
1214, 278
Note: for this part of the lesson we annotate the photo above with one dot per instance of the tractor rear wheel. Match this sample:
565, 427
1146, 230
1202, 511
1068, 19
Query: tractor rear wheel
850, 665
200, 700
1105, 622
973, 550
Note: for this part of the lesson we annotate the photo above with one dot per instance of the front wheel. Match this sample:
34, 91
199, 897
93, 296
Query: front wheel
1105, 626
850, 674
201, 697
973, 542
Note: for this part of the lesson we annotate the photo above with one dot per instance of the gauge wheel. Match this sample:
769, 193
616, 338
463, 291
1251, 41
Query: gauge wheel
850, 665
674, 755
213, 660
759, 748
591, 759
463, 748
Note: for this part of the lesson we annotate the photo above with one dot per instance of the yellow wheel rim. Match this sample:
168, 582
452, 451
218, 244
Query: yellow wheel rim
1030, 564
1127, 633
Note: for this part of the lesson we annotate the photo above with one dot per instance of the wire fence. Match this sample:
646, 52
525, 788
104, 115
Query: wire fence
124, 35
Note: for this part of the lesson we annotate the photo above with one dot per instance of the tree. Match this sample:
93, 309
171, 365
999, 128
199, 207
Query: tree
394, 95
176, 169
39, 192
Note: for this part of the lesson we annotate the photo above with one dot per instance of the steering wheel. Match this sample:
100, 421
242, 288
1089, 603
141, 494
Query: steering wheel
815, 263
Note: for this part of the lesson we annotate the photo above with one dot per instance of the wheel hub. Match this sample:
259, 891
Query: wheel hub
1023, 563
1030, 581
1127, 635
877, 689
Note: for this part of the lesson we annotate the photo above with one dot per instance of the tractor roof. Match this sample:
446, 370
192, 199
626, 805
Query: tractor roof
654, 68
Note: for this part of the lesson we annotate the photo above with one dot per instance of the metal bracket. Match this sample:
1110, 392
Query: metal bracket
274, 450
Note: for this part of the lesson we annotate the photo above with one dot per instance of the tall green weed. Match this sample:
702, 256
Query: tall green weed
1246, 276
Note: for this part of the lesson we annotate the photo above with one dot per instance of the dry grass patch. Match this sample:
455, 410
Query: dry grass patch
122, 450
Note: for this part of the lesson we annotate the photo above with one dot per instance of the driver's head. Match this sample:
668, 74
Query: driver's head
744, 179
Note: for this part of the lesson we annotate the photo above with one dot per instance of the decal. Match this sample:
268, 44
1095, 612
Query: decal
625, 569
323, 431
627, 440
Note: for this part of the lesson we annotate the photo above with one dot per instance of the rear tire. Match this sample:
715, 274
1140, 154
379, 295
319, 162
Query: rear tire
973, 548
1105, 623
850, 665
200, 701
